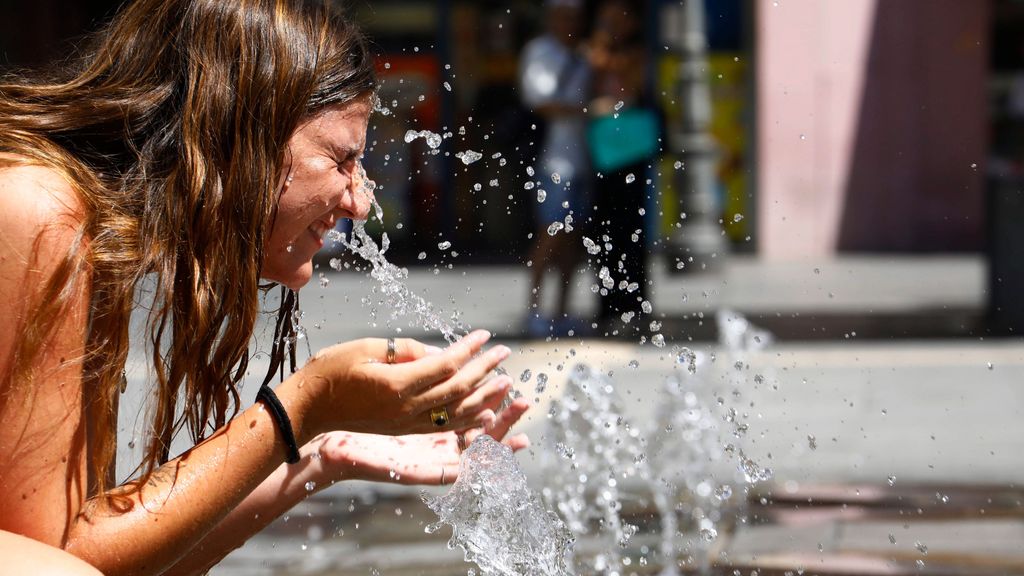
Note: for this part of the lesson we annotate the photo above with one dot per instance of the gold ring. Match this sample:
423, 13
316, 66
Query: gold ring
390, 358
442, 475
439, 416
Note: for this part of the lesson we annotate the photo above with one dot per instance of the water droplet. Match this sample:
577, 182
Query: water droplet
541, 195
556, 178
708, 534
737, 217
891, 480
658, 340
444, 245
618, 105
723, 492
646, 307
529, 171
554, 228
921, 548
421, 256
468, 156
812, 442
634, 364
526, 375
310, 486
447, 86
630, 178
542, 382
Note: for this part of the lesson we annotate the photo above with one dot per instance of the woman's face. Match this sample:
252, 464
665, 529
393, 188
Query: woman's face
321, 185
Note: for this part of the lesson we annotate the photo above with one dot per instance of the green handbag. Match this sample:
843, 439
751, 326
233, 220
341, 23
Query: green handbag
618, 140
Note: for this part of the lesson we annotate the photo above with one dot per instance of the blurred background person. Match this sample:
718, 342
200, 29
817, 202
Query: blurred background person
623, 139
554, 81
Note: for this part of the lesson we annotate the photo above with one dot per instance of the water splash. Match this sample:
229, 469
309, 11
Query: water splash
394, 295
739, 338
597, 450
498, 522
684, 442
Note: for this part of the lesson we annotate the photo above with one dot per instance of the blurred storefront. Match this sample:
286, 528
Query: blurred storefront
838, 127
450, 67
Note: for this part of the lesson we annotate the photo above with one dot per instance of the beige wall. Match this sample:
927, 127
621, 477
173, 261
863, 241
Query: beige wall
870, 114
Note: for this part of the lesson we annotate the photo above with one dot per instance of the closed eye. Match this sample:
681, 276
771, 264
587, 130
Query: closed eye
349, 162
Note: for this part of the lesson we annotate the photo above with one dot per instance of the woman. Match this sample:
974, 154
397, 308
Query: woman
202, 147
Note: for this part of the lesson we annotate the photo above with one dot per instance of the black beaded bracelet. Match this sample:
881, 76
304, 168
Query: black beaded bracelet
284, 423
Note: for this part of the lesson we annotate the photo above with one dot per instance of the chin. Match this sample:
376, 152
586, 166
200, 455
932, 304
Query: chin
295, 278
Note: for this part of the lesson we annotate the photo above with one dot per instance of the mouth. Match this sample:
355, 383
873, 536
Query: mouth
319, 229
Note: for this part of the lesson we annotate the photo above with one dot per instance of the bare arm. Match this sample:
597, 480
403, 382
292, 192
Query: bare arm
335, 456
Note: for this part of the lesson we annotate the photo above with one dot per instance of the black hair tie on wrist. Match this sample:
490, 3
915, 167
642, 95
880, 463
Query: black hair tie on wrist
284, 423
284, 337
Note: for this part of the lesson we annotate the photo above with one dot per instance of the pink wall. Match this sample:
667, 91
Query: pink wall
870, 114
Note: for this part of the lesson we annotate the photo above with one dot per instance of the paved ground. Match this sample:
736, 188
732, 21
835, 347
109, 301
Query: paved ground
922, 295
851, 410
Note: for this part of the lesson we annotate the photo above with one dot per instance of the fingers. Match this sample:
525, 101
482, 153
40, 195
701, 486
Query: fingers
466, 379
487, 396
504, 421
508, 417
430, 368
447, 474
408, 350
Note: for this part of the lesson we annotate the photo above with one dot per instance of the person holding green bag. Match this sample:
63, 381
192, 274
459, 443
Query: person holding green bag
623, 137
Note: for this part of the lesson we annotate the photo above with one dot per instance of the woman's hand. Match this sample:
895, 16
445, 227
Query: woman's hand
351, 387
411, 459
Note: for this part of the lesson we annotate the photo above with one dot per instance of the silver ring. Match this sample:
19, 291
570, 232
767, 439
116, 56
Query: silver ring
442, 475
390, 358
461, 439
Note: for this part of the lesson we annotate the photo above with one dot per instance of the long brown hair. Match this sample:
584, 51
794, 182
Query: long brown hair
172, 130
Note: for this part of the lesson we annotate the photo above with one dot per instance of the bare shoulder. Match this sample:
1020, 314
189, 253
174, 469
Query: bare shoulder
35, 200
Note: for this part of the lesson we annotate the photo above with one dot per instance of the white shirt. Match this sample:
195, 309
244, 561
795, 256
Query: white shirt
549, 73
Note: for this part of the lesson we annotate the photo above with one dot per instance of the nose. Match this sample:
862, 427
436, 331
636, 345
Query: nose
359, 197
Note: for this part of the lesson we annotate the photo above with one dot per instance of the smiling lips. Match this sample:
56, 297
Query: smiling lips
319, 229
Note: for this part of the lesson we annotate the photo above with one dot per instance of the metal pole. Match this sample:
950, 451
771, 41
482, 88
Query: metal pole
697, 243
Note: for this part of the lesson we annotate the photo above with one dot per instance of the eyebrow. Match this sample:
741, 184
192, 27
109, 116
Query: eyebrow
344, 151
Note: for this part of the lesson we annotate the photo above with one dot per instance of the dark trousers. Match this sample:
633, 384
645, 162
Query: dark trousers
618, 217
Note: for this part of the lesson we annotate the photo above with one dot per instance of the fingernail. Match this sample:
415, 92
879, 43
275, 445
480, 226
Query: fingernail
487, 419
501, 352
431, 350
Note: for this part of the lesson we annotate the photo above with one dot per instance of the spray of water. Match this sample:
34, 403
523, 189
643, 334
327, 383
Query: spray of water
496, 520
391, 287
596, 451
